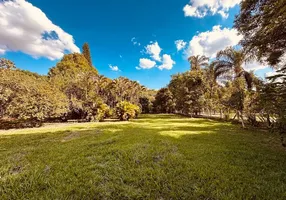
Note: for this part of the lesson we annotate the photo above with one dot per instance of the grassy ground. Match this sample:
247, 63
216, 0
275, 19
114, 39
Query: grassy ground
154, 157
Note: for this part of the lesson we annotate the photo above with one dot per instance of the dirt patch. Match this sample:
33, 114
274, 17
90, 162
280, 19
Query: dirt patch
16, 170
71, 136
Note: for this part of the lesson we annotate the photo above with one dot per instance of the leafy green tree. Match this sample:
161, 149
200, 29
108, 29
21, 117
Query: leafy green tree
188, 89
28, 96
263, 25
197, 62
146, 104
272, 103
211, 94
74, 76
86, 53
164, 102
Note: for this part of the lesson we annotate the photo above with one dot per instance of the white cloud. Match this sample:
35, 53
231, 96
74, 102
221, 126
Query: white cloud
201, 8
167, 62
114, 68
180, 44
210, 42
135, 42
154, 50
254, 66
146, 63
26, 28
270, 74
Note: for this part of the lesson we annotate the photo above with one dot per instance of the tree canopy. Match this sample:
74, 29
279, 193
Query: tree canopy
263, 25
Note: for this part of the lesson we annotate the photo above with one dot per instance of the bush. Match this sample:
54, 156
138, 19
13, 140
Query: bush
96, 111
126, 110
103, 112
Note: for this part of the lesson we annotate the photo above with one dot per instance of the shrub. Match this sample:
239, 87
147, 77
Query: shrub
126, 110
103, 112
96, 111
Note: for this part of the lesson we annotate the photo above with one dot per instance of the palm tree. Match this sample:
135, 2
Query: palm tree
198, 61
230, 62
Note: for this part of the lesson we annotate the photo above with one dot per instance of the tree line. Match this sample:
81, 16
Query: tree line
223, 86
73, 89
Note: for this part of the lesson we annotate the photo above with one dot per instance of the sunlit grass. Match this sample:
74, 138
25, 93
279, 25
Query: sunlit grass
153, 157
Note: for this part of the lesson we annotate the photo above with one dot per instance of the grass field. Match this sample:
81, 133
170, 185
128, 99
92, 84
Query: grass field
154, 157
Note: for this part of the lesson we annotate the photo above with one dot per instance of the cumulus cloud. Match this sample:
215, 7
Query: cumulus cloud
210, 42
26, 28
201, 8
135, 42
180, 44
114, 68
154, 50
167, 62
145, 63
254, 66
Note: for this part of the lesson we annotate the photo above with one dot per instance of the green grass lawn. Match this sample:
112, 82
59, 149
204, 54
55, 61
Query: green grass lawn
154, 157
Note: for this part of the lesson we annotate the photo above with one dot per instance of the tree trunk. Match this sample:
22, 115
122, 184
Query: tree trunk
269, 121
242, 120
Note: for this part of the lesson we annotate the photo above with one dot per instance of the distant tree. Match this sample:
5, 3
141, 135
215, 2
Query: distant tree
74, 76
164, 102
211, 95
197, 62
146, 104
263, 25
86, 53
187, 90
28, 96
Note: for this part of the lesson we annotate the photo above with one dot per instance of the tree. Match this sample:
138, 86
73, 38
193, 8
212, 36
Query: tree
197, 62
86, 53
77, 80
146, 104
211, 95
263, 25
229, 63
164, 102
187, 90
273, 100
28, 96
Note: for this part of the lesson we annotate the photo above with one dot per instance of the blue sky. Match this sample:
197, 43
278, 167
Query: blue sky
114, 29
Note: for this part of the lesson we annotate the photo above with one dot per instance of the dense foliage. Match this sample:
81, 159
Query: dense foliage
73, 89
28, 96
187, 90
263, 25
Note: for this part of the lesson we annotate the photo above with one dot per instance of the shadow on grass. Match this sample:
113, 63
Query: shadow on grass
155, 157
